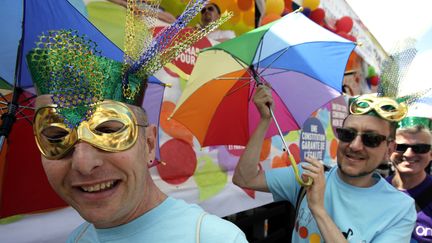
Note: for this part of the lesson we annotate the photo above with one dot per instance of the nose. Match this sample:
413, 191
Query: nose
409, 153
356, 144
85, 158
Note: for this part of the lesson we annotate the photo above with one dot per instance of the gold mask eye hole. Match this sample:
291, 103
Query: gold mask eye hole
108, 127
55, 134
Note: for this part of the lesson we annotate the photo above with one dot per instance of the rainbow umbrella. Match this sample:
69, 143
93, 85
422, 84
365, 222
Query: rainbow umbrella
303, 62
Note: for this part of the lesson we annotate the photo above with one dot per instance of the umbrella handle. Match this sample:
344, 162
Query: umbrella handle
290, 156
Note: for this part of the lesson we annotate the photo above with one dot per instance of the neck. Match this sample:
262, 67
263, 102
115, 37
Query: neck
154, 197
406, 182
364, 180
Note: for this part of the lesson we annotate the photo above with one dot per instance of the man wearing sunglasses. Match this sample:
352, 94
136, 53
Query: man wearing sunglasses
350, 202
412, 155
211, 12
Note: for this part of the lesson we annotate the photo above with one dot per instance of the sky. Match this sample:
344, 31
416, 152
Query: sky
391, 21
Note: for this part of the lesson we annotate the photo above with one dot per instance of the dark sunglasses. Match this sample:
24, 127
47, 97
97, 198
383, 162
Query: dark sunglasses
416, 148
369, 139
209, 8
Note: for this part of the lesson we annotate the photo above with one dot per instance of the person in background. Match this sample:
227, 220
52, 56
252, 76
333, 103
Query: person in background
350, 202
410, 160
211, 12
161, 14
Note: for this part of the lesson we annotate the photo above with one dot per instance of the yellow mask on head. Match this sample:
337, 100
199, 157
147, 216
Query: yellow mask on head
385, 107
112, 128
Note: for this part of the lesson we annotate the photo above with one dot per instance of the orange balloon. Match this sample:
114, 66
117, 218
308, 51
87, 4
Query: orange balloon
333, 148
274, 7
249, 19
236, 18
227, 5
172, 127
269, 18
280, 161
244, 5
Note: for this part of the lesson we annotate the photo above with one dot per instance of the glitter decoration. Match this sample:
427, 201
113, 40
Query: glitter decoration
182, 43
396, 67
168, 43
394, 72
140, 22
68, 65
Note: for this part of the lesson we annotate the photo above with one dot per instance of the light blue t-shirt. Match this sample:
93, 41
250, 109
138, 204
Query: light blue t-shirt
378, 213
171, 221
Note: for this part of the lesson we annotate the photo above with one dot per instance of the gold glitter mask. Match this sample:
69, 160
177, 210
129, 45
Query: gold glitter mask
387, 108
112, 128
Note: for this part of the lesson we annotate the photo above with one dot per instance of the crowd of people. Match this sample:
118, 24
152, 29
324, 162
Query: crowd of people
99, 165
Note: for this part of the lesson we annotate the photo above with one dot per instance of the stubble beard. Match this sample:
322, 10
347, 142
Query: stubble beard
358, 175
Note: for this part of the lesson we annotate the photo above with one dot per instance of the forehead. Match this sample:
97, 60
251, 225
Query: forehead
418, 137
44, 100
367, 123
213, 5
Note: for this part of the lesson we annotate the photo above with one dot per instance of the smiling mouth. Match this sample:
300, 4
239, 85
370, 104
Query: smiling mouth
409, 161
104, 186
355, 157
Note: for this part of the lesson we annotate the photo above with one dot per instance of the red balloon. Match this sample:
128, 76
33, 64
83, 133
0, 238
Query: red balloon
343, 34
351, 38
244, 5
317, 15
288, 6
344, 24
329, 28
374, 80
180, 159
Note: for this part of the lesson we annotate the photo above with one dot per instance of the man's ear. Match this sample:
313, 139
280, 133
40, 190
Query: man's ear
151, 141
390, 148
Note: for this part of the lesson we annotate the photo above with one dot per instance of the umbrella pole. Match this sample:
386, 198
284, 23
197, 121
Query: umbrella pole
290, 156
9, 118
285, 147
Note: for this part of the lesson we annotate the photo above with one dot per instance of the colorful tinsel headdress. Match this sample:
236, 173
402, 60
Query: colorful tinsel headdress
69, 67
393, 76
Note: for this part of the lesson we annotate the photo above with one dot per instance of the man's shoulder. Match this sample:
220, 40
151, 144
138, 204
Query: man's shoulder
212, 227
216, 229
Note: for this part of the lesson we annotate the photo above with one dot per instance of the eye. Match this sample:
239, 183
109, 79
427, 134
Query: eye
55, 134
110, 127
388, 108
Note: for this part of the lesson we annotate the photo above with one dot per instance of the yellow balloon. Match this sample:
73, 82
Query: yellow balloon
275, 7
311, 4
236, 18
240, 28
